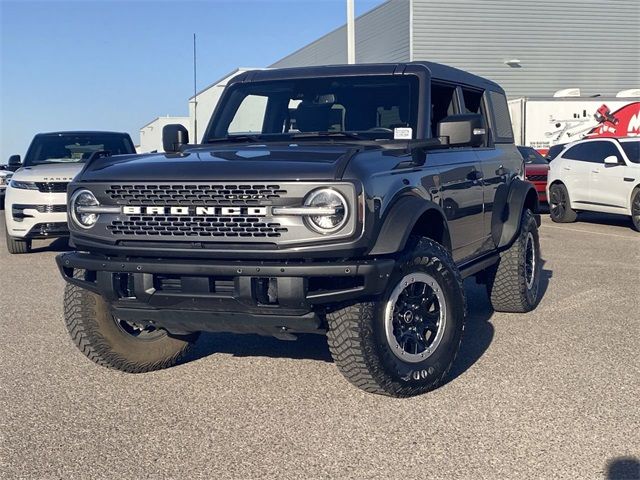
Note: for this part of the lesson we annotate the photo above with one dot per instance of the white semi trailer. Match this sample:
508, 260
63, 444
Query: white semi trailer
543, 122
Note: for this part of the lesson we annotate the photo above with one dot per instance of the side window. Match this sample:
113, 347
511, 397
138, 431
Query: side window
473, 104
500, 118
602, 150
594, 152
442, 104
249, 117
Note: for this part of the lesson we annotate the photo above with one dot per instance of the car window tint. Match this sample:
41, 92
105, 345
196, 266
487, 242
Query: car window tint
443, 104
531, 156
594, 152
632, 150
473, 104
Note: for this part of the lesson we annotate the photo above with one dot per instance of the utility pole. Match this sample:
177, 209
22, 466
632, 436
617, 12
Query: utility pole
195, 95
351, 33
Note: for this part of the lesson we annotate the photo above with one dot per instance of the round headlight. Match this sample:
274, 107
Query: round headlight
83, 198
326, 197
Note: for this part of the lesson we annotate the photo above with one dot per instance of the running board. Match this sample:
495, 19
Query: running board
475, 266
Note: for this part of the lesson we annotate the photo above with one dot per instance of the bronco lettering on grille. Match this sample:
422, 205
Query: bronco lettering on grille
253, 211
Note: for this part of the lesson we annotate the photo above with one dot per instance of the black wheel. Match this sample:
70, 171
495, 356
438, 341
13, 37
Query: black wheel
513, 283
114, 343
17, 245
404, 344
635, 208
559, 205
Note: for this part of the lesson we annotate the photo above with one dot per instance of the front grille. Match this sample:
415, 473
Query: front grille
167, 226
42, 208
52, 187
192, 194
537, 178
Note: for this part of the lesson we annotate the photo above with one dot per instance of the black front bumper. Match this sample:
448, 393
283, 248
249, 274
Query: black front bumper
232, 296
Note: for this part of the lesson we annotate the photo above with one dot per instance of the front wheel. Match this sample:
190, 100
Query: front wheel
560, 205
117, 344
405, 344
17, 245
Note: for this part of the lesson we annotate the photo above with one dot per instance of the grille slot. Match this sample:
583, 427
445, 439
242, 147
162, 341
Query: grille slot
52, 187
172, 226
42, 208
194, 194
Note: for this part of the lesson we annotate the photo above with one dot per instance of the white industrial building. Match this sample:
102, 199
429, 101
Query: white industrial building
529, 48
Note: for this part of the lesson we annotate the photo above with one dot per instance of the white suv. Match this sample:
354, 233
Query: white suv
599, 175
36, 198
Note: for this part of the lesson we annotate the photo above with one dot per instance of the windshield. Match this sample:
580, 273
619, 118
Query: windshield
632, 150
70, 148
531, 156
361, 107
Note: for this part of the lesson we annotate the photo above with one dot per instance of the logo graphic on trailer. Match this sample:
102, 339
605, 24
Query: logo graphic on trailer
624, 122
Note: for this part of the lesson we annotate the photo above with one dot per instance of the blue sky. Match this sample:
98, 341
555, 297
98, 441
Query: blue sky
115, 65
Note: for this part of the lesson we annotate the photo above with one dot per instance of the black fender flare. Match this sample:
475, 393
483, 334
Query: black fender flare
509, 206
400, 220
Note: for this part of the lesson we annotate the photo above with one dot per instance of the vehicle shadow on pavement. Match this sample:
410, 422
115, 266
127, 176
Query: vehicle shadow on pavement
605, 219
623, 468
57, 245
479, 331
308, 347
478, 336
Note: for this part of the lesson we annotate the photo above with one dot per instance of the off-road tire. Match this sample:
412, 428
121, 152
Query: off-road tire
357, 340
96, 333
560, 209
635, 209
17, 245
507, 285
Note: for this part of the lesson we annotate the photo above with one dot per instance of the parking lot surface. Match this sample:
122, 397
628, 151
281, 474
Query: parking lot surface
550, 394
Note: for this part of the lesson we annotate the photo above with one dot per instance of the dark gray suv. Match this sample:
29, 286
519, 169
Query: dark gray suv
350, 201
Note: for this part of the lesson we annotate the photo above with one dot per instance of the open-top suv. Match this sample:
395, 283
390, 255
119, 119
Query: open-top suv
598, 175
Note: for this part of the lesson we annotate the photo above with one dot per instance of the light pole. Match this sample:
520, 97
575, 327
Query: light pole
351, 34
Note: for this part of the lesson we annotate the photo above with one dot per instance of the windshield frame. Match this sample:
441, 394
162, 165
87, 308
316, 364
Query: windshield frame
215, 130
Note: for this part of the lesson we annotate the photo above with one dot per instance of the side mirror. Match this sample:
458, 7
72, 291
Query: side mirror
14, 161
173, 137
465, 130
611, 160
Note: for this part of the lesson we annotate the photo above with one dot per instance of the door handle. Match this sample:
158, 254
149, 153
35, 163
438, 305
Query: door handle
566, 168
595, 171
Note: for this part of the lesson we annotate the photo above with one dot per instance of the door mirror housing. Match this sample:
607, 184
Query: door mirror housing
466, 130
611, 160
174, 136
14, 161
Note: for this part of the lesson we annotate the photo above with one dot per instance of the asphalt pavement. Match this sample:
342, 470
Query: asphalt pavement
550, 394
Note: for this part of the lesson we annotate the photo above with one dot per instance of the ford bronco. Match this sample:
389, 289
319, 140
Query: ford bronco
350, 201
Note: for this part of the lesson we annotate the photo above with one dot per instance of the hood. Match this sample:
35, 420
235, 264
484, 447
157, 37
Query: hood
54, 172
229, 162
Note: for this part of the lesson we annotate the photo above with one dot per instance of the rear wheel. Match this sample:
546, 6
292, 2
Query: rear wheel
404, 344
559, 204
635, 209
17, 245
514, 282
117, 344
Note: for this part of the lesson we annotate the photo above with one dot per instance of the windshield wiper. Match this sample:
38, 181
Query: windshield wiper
353, 135
235, 138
